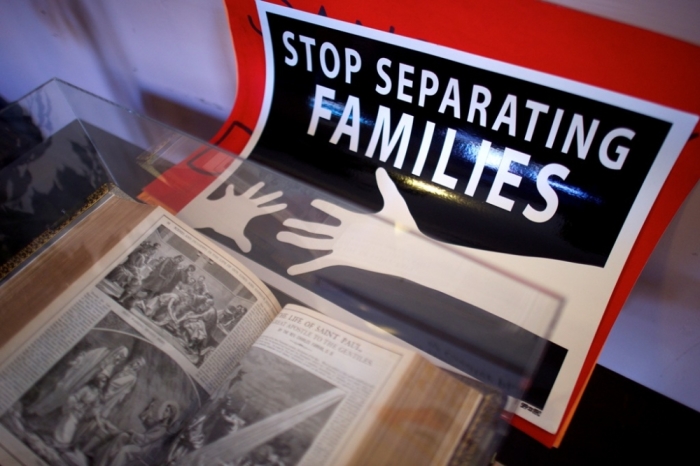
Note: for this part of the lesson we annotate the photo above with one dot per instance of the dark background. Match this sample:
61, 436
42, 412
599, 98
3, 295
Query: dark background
617, 422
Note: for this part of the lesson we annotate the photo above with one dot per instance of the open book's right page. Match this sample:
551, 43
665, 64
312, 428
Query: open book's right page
310, 391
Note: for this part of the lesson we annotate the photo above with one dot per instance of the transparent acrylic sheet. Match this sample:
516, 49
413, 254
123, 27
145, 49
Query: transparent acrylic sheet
484, 322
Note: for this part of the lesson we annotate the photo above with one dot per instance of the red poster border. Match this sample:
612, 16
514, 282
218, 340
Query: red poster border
528, 33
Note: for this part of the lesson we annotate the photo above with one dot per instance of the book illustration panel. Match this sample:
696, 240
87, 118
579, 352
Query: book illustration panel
104, 402
189, 300
269, 411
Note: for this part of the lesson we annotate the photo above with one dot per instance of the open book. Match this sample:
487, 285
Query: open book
541, 167
131, 340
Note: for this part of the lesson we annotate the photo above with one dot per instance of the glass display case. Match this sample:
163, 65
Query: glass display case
60, 144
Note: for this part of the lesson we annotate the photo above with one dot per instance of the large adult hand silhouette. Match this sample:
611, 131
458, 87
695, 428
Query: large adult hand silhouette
230, 214
389, 242
376, 242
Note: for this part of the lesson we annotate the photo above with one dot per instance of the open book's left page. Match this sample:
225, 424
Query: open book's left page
113, 368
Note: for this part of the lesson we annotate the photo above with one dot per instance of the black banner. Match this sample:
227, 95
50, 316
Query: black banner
482, 159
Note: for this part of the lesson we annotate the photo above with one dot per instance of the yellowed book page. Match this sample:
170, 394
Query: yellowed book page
147, 334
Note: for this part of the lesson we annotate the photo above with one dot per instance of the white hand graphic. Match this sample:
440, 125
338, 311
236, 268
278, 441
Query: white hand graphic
389, 242
230, 214
374, 242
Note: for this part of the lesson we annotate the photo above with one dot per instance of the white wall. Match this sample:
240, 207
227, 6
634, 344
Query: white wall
674, 18
171, 60
656, 339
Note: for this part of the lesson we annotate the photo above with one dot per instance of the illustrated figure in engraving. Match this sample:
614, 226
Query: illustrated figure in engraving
163, 271
222, 393
162, 274
128, 275
165, 311
193, 301
161, 305
195, 325
220, 405
229, 415
93, 432
200, 288
127, 271
149, 250
183, 277
96, 363
112, 361
77, 406
129, 447
245, 207
192, 438
120, 386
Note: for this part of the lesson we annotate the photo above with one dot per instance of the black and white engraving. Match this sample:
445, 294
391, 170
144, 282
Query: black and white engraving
177, 290
104, 404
